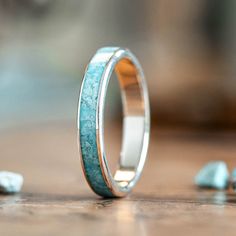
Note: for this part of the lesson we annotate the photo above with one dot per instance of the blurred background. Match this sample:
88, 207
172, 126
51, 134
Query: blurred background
187, 49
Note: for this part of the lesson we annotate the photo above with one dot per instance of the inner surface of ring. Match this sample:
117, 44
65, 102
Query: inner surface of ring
133, 121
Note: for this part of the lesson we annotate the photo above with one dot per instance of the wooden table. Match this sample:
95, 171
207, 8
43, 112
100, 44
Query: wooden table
55, 199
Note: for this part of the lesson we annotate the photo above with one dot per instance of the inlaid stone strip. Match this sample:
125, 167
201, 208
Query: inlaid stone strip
87, 121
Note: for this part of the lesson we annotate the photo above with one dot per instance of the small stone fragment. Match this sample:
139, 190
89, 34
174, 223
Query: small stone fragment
10, 182
215, 175
233, 179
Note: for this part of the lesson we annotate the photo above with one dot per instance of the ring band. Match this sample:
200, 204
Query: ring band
136, 121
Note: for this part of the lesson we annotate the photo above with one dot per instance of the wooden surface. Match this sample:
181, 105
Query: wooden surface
55, 199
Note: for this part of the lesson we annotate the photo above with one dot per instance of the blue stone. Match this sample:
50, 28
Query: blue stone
233, 178
213, 175
10, 182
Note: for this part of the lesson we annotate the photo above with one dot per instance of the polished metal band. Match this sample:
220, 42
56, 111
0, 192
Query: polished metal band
136, 121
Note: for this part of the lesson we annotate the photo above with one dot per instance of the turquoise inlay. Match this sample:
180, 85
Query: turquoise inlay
87, 119
213, 175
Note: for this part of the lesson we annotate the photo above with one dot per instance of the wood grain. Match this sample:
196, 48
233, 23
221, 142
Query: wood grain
57, 201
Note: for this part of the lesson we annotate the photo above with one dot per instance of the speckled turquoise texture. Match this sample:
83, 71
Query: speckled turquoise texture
87, 121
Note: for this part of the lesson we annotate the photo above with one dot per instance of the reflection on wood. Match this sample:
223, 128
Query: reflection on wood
57, 201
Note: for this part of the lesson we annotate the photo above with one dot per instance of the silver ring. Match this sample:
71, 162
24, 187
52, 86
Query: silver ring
136, 121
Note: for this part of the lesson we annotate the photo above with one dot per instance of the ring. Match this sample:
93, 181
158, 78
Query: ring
136, 121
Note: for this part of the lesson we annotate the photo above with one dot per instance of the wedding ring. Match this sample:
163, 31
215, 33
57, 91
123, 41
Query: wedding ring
136, 121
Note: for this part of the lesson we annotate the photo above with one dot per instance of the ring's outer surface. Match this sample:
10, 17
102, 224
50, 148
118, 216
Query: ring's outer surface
136, 121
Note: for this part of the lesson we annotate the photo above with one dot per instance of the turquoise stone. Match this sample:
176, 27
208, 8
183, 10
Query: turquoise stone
10, 182
213, 175
233, 178
87, 121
